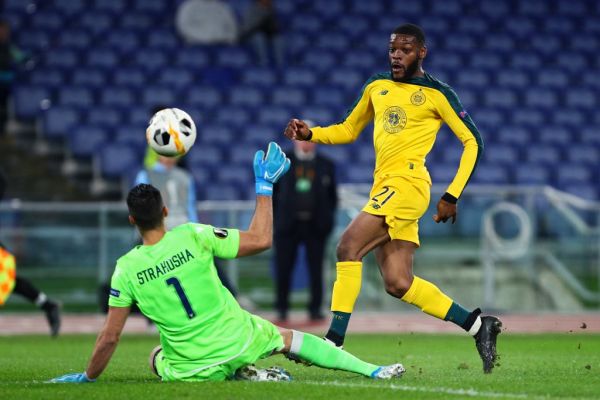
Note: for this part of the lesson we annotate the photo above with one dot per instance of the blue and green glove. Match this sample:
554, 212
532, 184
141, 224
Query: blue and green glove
72, 378
269, 168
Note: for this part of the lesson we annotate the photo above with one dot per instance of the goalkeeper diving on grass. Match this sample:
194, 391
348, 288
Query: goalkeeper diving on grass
204, 334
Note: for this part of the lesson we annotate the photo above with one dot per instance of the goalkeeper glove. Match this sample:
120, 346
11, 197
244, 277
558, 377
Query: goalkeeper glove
72, 378
269, 168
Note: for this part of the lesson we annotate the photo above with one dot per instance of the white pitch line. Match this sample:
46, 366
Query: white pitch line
449, 391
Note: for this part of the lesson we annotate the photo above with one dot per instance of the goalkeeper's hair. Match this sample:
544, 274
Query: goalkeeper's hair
411, 30
145, 206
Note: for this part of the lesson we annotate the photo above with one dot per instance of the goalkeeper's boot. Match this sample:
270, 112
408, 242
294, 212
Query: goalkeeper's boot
388, 372
485, 340
271, 374
52, 311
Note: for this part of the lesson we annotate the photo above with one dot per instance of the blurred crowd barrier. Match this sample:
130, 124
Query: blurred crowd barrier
512, 248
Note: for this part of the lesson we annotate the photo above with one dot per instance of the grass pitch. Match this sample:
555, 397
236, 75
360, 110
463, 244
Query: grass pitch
565, 366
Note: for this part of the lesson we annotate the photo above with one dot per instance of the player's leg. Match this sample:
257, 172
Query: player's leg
269, 339
50, 308
286, 249
395, 260
265, 340
363, 234
315, 351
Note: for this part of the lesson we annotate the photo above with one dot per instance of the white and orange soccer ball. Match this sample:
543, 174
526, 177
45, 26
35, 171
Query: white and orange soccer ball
171, 132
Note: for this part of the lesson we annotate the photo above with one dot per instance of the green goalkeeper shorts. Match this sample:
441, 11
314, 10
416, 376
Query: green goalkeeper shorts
264, 341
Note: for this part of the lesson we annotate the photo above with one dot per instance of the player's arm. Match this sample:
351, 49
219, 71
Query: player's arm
105, 347
268, 168
119, 301
107, 341
346, 131
464, 128
259, 235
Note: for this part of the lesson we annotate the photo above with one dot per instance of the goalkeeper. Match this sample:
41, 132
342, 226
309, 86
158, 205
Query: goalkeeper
204, 333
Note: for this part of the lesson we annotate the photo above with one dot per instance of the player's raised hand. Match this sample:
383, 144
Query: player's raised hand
297, 130
445, 211
268, 168
72, 378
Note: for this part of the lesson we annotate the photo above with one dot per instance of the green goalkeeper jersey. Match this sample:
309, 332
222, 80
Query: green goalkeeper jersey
175, 284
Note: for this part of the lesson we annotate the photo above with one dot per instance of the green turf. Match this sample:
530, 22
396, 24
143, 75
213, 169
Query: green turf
438, 367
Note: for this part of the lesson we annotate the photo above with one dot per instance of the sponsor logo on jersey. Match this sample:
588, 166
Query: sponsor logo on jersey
383, 92
115, 292
418, 98
220, 233
375, 206
394, 119
166, 265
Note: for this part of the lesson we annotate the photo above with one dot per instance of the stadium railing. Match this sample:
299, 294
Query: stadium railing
512, 247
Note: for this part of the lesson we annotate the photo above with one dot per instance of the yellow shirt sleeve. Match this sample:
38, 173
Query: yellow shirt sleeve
357, 117
464, 128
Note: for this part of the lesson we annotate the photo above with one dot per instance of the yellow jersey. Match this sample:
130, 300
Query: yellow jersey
407, 116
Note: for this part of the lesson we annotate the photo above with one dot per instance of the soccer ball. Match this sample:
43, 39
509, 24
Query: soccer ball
171, 132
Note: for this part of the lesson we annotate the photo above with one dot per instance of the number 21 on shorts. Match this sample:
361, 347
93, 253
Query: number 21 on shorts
382, 197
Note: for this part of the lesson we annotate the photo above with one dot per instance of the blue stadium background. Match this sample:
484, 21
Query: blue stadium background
527, 71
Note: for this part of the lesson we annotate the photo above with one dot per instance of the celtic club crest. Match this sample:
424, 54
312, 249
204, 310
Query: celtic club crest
418, 98
394, 119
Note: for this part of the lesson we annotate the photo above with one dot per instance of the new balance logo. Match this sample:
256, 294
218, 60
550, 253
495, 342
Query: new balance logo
383, 92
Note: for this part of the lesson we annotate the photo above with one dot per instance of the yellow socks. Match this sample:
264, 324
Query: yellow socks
428, 297
347, 286
345, 292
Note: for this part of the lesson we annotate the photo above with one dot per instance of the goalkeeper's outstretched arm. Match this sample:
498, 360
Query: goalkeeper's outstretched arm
268, 168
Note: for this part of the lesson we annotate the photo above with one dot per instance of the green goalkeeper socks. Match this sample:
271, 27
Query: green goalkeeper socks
318, 352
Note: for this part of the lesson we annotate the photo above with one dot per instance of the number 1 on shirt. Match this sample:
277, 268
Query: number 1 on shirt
184, 300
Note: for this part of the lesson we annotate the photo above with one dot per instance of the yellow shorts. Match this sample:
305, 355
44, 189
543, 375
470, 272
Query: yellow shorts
402, 200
